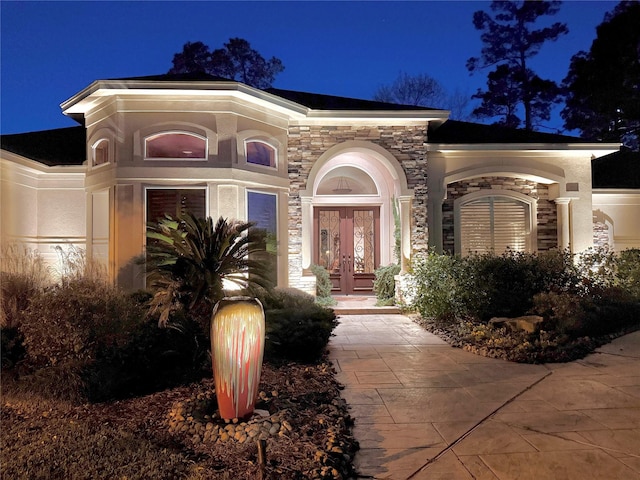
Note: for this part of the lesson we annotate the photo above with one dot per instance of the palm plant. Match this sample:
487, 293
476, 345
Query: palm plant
190, 261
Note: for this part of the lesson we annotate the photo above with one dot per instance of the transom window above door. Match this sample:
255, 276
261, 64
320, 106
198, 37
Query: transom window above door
175, 145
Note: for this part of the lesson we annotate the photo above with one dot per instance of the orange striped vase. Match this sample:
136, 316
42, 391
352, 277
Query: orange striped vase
237, 349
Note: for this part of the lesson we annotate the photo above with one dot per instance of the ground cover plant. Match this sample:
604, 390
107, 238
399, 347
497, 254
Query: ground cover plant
96, 386
584, 300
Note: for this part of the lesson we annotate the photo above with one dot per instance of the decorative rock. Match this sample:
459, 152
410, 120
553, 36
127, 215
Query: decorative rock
527, 323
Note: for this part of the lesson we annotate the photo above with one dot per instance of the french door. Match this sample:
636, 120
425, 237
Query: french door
346, 244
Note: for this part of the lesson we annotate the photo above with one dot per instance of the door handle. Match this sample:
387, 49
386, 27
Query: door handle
344, 263
349, 263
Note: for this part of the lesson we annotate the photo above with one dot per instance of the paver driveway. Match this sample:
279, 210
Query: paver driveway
425, 410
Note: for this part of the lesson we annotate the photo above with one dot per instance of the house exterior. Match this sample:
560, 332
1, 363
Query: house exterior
334, 181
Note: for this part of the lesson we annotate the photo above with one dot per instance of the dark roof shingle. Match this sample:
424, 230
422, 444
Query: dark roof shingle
457, 132
61, 146
616, 170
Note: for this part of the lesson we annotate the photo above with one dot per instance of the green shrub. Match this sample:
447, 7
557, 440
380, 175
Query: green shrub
610, 311
485, 286
563, 312
511, 280
628, 271
297, 328
154, 358
604, 268
285, 298
384, 284
323, 286
435, 286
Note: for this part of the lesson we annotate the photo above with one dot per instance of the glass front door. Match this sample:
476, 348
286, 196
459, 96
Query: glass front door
347, 246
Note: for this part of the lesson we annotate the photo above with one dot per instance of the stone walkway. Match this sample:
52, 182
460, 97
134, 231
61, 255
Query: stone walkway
425, 410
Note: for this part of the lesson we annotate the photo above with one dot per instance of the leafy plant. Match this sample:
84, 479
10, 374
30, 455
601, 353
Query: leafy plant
191, 262
297, 327
323, 286
384, 284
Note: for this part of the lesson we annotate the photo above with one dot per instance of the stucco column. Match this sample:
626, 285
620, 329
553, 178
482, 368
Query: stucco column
564, 223
405, 233
307, 231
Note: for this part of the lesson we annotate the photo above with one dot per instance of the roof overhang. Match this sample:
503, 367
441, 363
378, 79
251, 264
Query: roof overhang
88, 98
595, 149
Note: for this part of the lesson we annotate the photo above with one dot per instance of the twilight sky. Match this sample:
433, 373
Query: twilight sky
51, 50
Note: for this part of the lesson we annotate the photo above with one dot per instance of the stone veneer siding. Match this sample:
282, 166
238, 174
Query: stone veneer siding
600, 233
547, 218
307, 143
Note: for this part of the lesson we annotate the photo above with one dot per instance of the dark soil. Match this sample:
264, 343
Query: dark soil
131, 438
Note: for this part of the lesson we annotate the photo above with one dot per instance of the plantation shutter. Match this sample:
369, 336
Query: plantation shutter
493, 225
174, 202
509, 225
475, 226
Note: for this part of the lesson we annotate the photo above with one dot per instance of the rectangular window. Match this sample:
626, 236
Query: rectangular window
175, 202
262, 210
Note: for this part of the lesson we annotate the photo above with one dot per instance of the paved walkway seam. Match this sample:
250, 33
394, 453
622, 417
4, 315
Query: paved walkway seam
477, 425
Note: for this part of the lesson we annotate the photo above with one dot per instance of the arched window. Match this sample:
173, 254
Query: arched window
260, 153
170, 145
494, 224
101, 152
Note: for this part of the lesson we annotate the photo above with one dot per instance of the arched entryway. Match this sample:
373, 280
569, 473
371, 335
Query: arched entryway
348, 214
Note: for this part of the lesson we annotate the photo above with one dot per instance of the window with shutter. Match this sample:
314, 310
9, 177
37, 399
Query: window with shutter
494, 225
174, 202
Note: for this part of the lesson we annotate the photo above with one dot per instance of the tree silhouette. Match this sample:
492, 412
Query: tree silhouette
235, 61
603, 85
509, 42
424, 91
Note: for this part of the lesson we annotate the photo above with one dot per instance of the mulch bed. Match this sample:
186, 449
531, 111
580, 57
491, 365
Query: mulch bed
313, 439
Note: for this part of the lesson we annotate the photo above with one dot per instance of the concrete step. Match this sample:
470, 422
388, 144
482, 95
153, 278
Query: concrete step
361, 305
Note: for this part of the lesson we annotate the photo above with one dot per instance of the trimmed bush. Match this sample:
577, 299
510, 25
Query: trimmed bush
485, 286
298, 329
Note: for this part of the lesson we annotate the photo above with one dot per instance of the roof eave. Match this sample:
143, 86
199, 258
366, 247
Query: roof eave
601, 148
84, 100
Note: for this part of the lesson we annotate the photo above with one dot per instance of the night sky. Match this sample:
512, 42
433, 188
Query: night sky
52, 50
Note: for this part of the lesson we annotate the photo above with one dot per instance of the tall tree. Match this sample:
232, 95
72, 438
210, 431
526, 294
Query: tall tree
235, 61
425, 91
509, 42
603, 85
